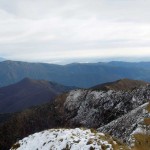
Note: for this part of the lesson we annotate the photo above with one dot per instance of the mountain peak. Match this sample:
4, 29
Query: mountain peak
27, 93
28, 81
122, 84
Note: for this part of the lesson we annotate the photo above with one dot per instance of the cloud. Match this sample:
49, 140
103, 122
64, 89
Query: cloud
58, 30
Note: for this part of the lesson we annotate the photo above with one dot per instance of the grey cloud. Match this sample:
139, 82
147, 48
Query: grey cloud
54, 28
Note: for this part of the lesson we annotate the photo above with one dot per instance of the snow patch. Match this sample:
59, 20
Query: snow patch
58, 139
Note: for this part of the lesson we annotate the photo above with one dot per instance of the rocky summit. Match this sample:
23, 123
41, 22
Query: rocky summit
97, 108
68, 139
122, 114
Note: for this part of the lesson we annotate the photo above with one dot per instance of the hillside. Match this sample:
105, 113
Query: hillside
27, 93
6, 116
76, 74
28, 122
80, 108
123, 84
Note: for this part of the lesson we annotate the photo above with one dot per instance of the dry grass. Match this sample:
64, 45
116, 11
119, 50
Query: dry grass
116, 144
15, 146
147, 121
142, 142
119, 146
148, 107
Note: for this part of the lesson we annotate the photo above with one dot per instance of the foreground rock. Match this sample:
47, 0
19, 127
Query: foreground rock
132, 128
68, 139
123, 127
94, 109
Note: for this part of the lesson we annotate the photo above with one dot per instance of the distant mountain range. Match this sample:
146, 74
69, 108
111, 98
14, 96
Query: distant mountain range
81, 75
2, 59
27, 93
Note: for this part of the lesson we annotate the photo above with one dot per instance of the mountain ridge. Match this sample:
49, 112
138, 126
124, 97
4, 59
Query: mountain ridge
27, 93
122, 84
80, 75
77, 108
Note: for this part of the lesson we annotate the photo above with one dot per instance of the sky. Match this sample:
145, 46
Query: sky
64, 31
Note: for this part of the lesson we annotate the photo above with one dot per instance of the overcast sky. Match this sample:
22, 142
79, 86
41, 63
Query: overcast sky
58, 31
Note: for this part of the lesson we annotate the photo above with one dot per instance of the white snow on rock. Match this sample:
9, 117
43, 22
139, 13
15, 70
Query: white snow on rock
138, 131
59, 139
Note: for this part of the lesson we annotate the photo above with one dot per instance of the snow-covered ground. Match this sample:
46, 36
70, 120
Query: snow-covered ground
64, 139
